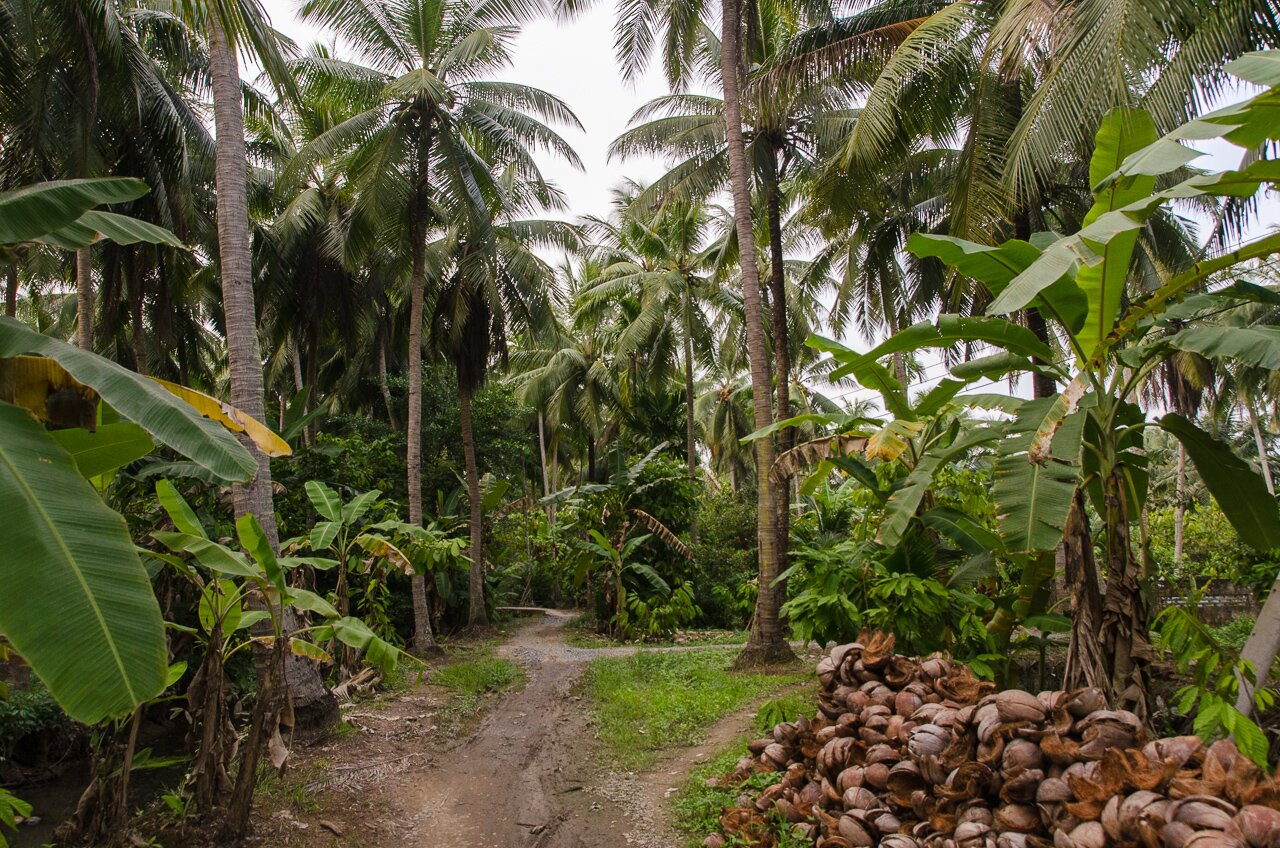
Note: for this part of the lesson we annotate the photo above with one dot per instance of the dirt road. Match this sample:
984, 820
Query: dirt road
527, 777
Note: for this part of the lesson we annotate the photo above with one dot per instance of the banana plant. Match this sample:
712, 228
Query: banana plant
242, 597
898, 459
354, 546
77, 604
611, 544
1085, 442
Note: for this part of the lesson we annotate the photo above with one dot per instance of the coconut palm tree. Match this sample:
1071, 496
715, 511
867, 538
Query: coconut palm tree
424, 109
488, 291
660, 258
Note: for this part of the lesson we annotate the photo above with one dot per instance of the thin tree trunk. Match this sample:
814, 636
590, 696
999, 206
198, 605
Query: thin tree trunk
477, 615
1263, 460
296, 355
314, 705
591, 458
137, 300
1086, 665
1180, 505
542, 462
781, 360
11, 292
555, 469
690, 449
766, 642
84, 299
1126, 618
423, 637
384, 386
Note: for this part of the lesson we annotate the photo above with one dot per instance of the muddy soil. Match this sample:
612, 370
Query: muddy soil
527, 776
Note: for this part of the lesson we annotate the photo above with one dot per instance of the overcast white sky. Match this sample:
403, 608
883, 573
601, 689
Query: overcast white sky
575, 62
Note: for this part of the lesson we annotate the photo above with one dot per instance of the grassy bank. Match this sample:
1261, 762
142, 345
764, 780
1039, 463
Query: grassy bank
651, 702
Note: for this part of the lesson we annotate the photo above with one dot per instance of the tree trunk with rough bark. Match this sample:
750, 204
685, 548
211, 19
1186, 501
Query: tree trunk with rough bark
477, 614
1179, 504
690, 450
314, 705
1126, 613
781, 362
424, 641
1085, 665
766, 642
84, 298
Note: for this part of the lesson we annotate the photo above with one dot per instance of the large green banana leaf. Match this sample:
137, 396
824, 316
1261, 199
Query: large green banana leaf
904, 502
1123, 132
1239, 490
168, 419
76, 602
120, 229
34, 211
1033, 493
112, 446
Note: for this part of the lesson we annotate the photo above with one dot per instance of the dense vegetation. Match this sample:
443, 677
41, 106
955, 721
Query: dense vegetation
933, 326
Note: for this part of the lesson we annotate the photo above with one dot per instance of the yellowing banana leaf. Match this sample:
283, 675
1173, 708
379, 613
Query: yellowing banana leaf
168, 419
233, 419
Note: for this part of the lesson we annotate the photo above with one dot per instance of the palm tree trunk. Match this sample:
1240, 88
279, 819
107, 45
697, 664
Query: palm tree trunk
690, 449
314, 706
1261, 444
477, 616
11, 292
781, 359
137, 298
542, 462
766, 642
423, 636
1179, 506
384, 386
84, 299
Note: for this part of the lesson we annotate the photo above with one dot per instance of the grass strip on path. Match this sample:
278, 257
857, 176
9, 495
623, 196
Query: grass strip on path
652, 701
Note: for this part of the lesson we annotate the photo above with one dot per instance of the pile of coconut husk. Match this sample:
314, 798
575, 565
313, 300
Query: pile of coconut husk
918, 753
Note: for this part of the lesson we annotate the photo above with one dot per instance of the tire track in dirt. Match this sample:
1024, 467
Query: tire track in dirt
526, 777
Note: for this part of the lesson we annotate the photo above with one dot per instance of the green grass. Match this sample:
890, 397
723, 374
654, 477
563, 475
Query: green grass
651, 702
469, 681
585, 636
695, 811
474, 677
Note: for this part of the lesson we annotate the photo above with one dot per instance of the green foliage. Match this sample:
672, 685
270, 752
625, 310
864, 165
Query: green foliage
11, 807
724, 559
838, 590
27, 712
1211, 549
658, 616
62, 213
1234, 633
261, 572
650, 702
1215, 670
